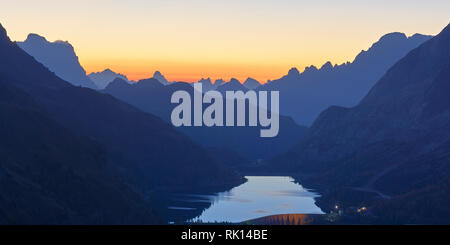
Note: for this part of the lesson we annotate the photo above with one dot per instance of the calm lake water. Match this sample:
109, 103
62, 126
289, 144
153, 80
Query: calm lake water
259, 196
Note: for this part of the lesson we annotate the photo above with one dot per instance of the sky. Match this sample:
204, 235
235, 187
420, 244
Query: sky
188, 40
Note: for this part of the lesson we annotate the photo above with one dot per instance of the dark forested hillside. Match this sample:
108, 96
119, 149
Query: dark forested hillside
50, 175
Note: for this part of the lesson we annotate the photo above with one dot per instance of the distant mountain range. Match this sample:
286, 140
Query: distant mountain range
160, 77
102, 79
151, 96
233, 84
304, 95
391, 152
251, 83
79, 156
59, 57
301, 93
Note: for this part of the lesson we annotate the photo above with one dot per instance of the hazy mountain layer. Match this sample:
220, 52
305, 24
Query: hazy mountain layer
151, 96
102, 79
304, 95
59, 57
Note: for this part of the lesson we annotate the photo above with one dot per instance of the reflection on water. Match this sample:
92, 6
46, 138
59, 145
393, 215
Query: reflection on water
259, 196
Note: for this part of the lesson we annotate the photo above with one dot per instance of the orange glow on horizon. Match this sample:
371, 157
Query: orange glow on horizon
191, 72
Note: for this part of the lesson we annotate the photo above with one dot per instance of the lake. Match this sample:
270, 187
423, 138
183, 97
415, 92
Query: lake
259, 196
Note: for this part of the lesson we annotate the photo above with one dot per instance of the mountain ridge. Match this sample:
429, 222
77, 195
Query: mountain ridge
390, 152
147, 152
103, 78
59, 57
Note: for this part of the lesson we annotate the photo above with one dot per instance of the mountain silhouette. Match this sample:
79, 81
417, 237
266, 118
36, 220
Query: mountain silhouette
207, 85
59, 57
102, 79
251, 83
232, 85
150, 96
144, 152
393, 145
158, 76
51, 175
304, 95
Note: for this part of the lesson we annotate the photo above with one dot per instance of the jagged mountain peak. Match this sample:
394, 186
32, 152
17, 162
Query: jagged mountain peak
38, 40
109, 71
205, 80
392, 36
251, 83
305, 95
311, 68
389, 44
219, 82
293, 72
327, 66
117, 83
4, 35
33, 37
